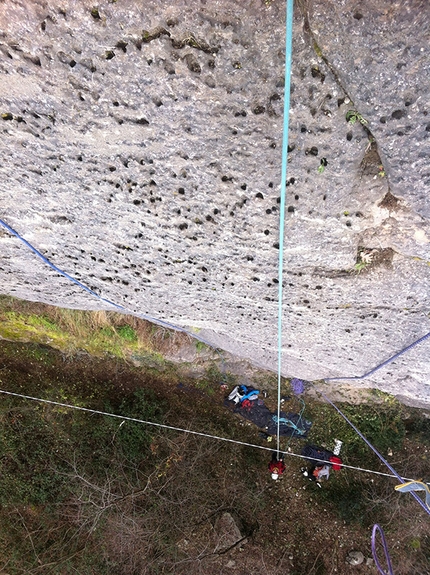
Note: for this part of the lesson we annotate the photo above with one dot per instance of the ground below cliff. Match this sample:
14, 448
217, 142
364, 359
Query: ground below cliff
85, 493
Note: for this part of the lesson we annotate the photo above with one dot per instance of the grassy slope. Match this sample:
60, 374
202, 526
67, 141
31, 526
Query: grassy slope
86, 494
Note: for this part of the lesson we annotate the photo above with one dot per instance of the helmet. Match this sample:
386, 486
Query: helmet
275, 476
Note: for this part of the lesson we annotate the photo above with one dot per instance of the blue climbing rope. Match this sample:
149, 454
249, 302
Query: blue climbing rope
381, 457
287, 87
54, 267
383, 364
145, 317
288, 59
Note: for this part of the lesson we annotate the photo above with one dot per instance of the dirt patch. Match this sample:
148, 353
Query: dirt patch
371, 163
389, 202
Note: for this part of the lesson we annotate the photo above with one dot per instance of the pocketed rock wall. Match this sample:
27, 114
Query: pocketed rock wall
141, 152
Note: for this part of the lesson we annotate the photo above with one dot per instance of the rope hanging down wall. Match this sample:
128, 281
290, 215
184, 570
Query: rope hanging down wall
289, 18
145, 317
287, 88
148, 318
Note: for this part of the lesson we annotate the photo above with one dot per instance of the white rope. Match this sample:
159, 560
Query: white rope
199, 433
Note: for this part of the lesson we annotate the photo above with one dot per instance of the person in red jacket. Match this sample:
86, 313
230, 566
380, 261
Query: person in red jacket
276, 466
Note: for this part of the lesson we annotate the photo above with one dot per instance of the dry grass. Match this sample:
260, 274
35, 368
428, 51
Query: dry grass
150, 336
73, 329
148, 501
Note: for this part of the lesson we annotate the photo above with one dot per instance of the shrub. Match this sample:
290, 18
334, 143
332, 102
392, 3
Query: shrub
134, 438
127, 333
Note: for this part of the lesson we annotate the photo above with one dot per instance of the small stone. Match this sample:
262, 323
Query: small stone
355, 558
230, 564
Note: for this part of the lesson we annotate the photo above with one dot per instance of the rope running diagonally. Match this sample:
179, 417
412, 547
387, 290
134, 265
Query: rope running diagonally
287, 87
161, 322
157, 321
384, 363
13, 232
289, 17
190, 431
384, 461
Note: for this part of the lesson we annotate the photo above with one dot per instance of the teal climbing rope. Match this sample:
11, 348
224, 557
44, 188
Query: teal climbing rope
287, 87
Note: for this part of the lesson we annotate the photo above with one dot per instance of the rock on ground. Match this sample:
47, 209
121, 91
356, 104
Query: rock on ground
141, 153
355, 558
227, 532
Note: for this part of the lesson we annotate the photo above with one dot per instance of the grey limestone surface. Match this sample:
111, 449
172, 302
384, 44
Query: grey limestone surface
141, 152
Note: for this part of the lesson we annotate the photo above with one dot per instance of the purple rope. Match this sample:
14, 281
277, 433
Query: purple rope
54, 267
377, 528
393, 471
297, 386
164, 323
386, 362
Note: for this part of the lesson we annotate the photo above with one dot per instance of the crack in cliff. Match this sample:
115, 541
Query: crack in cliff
371, 156
189, 40
304, 9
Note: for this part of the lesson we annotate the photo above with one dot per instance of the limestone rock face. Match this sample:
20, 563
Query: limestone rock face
141, 152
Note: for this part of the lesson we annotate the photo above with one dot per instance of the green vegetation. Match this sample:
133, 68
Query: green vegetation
382, 425
85, 493
365, 260
200, 346
213, 378
127, 333
80, 483
348, 502
40, 442
359, 267
318, 50
98, 333
95, 13
352, 116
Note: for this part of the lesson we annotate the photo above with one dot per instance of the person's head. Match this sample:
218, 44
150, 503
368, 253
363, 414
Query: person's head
275, 475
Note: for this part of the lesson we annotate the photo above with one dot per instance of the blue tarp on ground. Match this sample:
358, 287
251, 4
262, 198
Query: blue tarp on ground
257, 412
